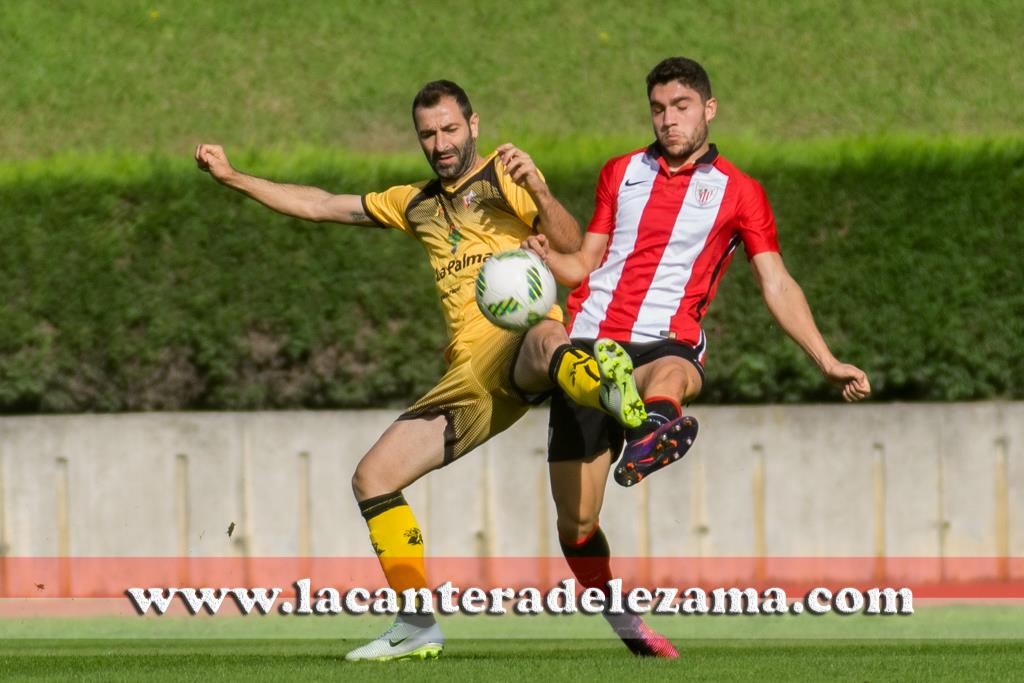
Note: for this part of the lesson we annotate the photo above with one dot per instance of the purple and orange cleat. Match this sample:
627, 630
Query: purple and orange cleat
660, 448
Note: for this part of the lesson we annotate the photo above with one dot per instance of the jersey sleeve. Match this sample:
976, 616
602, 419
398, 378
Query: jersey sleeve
603, 218
387, 208
517, 197
755, 220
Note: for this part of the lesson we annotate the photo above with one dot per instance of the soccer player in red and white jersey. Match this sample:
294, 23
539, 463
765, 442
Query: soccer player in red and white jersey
667, 221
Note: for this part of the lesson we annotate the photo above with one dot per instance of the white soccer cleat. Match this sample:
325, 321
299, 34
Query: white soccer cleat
402, 640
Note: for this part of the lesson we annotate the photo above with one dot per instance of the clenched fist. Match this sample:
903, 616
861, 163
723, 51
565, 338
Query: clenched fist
851, 379
213, 160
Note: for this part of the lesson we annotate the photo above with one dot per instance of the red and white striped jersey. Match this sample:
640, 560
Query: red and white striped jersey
671, 237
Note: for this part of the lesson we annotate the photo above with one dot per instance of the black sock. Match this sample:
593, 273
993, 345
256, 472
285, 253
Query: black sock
660, 409
590, 560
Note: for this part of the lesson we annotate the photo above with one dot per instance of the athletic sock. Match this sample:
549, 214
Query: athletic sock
398, 542
576, 372
589, 558
660, 409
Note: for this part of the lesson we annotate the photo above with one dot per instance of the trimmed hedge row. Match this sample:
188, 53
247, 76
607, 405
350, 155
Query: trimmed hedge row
138, 284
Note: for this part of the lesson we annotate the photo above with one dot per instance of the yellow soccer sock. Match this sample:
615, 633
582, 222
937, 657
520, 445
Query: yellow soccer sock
397, 540
576, 372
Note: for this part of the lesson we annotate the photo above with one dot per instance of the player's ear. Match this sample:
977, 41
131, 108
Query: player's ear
710, 109
474, 125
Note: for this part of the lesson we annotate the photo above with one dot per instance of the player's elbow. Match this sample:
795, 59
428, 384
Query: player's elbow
326, 208
770, 292
316, 212
572, 281
778, 287
303, 210
582, 265
573, 241
567, 244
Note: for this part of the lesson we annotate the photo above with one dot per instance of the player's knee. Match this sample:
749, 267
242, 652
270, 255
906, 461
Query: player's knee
687, 383
366, 482
545, 337
531, 371
358, 484
690, 389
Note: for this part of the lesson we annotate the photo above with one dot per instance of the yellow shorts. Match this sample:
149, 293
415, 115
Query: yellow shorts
476, 395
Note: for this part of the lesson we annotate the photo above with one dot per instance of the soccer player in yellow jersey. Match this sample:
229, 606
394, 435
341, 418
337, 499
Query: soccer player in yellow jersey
475, 207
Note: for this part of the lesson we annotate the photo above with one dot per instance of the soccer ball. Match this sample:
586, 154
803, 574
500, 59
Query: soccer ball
515, 290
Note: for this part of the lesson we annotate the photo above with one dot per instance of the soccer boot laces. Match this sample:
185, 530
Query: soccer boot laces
660, 448
401, 640
618, 392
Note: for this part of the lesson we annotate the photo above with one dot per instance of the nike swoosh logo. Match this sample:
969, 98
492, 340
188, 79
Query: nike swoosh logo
396, 643
638, 182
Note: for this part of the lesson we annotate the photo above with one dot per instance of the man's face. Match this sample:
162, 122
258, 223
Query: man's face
680, 118
447, 138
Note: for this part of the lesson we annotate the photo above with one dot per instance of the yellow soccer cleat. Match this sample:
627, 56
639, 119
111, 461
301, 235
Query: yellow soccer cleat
618, 392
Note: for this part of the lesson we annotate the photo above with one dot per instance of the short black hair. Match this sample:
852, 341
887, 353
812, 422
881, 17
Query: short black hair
430, 94
686, 71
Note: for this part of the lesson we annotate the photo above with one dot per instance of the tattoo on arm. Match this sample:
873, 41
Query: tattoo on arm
358, 217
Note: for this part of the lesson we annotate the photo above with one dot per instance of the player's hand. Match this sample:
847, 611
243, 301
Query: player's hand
521, 168
213, 160
849, 378
538, 244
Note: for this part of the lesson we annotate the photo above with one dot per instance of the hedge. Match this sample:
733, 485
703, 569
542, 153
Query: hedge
139, 284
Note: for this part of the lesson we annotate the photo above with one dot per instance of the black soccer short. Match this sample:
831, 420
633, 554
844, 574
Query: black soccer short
577, 432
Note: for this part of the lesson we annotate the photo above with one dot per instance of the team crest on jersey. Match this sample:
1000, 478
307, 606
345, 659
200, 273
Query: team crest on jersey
468, 198
705, 194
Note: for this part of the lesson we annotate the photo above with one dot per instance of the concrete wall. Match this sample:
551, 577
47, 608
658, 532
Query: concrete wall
835, 480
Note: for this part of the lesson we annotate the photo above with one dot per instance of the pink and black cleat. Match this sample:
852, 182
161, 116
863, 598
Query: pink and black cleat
644, 641
660, 448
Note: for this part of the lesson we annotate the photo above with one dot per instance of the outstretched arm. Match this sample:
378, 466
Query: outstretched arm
298, 201
786, 302
561, 229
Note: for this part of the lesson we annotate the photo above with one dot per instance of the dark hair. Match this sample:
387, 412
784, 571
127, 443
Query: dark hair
430, 94
686, 71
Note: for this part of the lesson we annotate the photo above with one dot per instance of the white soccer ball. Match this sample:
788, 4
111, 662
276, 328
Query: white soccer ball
515, 290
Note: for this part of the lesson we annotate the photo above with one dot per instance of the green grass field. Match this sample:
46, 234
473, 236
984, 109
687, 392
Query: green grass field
108, 660
158, 75
936, 643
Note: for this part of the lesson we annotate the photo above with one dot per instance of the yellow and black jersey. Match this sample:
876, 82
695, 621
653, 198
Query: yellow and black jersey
460, 225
